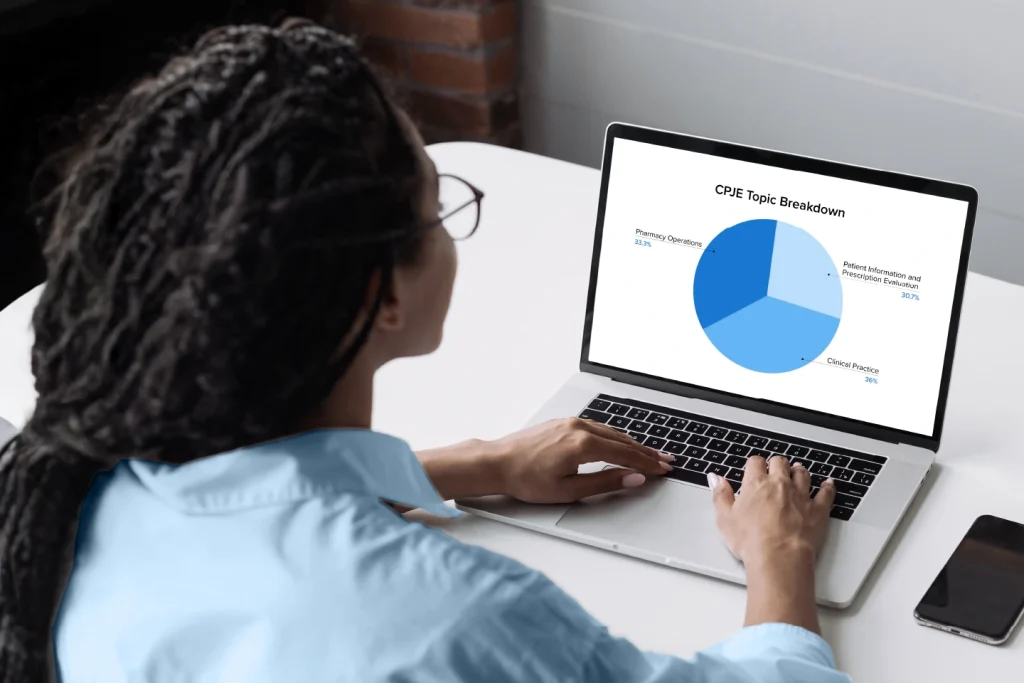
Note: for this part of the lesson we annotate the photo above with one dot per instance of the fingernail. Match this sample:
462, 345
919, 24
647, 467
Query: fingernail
713, 481
665, 466
830, 482
667, 457
798, 464
633, 480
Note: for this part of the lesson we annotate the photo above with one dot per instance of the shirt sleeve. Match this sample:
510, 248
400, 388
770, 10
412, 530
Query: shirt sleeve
538, 633
768, 653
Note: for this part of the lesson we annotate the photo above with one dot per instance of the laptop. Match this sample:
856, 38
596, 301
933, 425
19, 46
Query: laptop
748, 302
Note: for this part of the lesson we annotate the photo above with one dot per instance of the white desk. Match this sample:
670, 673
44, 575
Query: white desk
513, 336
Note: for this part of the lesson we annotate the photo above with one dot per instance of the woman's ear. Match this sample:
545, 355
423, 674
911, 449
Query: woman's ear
392, 316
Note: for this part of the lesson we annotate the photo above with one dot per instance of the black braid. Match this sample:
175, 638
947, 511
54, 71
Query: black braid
207, 254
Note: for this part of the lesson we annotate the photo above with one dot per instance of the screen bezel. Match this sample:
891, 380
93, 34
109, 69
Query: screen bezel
938, 188
969, 629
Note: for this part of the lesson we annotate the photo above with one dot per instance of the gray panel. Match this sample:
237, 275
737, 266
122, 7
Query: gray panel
950, 48
582, 74
998, 244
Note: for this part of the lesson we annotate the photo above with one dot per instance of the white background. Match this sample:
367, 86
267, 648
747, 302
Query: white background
644, 318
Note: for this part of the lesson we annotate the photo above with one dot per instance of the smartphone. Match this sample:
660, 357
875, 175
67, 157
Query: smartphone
979, 594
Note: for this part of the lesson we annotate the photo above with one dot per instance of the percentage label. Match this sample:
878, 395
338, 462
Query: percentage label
871, 380
911, 297
642, 243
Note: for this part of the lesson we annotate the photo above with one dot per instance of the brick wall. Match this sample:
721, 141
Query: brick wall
454, 64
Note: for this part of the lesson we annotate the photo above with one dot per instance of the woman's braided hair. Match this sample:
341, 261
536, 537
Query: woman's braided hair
208, 253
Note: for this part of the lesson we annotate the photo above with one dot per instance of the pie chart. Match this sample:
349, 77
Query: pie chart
767, 295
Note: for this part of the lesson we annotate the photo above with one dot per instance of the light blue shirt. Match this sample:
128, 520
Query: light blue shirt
278, 563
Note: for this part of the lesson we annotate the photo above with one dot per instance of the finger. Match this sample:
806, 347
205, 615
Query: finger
755, 470
597, 449
825, 496
606, 481
607, 432
802, 479
721, 494
778, 466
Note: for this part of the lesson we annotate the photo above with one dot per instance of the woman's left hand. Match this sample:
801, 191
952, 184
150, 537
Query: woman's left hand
540, 464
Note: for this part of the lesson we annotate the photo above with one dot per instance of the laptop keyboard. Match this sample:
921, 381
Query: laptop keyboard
703, 445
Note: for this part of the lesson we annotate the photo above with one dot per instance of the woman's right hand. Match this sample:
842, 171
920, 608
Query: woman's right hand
777, 530
775, 512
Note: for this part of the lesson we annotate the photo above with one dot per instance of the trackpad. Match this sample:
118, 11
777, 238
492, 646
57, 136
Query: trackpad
668, 518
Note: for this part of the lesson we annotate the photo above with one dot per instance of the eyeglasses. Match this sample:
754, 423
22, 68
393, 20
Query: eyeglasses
460, 220
459, 210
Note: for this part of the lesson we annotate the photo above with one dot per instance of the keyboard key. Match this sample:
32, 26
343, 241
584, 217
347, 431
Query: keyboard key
864, 466
863, 479
757, 442
736, 437
735, 475
618, 409
821, 468
877, 459
851, 489
595, 416
718, 445
639, 414
695, 452
619, 422
739, 449
814, 491
818, 456
697, 465
839, 460
658, 431
689, 476
797, 451
599, 404
675, 423
803, 461
841, 513
637, 436
638, 426
657, 418
777, 447
736, 461
677, 435
696, 428
655, 442
845, 501
720, 470
736, 486
717, 432
714, 456
698, 440
759, 453
674, 447
817, 480
839, 474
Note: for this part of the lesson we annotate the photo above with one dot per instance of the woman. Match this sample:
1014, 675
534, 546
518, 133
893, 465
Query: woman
244, 242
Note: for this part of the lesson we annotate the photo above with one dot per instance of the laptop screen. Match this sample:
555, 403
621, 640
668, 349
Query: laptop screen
802, 289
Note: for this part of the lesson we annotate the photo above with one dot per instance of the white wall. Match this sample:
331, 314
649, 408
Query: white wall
932, 87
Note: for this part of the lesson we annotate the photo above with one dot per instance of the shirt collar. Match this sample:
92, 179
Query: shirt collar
317, 464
